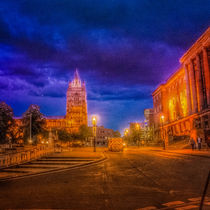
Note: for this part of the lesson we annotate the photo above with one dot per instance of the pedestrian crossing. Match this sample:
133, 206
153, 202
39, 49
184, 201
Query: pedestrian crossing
191, 204
43, 165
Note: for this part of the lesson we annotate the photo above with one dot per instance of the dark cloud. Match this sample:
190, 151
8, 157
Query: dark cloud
3, 84
119, 93
176, 23
4, 31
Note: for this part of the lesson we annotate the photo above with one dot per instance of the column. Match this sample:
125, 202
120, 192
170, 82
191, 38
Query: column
189, 105
199, 84
193, 87
207, 74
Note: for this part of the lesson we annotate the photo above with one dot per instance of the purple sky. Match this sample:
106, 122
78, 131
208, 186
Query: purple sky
123, 50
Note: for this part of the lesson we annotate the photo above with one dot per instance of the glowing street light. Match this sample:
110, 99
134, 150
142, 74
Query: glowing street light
94, 123
126, 132
137, 128
162, 117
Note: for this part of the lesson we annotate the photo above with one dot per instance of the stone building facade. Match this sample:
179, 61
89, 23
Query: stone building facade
103, 135
149, 117
76, 108
182, 103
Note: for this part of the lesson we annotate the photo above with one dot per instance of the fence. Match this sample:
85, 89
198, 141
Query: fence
23, 156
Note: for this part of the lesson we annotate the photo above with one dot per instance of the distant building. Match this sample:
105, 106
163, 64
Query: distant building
103, 135
149, 117
149, 125
76, 108
133, 126
182, 103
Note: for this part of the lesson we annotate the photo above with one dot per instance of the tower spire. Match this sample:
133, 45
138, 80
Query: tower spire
76, 81
76, 74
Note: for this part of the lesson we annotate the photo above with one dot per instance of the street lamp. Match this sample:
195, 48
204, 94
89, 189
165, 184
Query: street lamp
126, 132
162, 120
126, 139
137, 128
94, 123
30, 139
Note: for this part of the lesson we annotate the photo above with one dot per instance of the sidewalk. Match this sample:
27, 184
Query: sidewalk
80, 152
196, 152
201, 153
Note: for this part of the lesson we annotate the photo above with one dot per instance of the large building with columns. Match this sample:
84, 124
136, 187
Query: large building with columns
182, 103
76, 108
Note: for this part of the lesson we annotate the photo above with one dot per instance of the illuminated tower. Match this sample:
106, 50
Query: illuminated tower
76, 104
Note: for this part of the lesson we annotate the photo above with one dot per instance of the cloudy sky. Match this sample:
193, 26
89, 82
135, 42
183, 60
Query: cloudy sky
122, 48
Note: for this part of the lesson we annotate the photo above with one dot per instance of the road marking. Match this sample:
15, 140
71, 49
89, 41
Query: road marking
148, 208
173, 203
187, 207
180, 205
207, 198
170, 156
194, 199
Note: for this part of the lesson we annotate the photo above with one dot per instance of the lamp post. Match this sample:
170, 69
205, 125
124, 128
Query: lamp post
162, 120
94, 123
137, 128
126, 132
30, 128
126, 135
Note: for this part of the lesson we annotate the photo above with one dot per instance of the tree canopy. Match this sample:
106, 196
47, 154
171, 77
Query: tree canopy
117, 134
37, 119
85, 132
6, 122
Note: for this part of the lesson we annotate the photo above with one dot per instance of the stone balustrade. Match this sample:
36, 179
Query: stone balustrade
23, 156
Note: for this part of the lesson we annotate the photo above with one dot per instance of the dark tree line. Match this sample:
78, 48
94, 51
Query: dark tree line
12, 132
32, 124
84, 133
6, 122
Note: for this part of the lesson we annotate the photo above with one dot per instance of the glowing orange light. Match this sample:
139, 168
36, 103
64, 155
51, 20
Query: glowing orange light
94, 120
162, 118
126, 132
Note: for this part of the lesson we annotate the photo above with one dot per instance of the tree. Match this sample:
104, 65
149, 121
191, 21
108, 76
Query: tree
134, 136
16, 133
64, 135
6, 122
37, 119
85, 132
116, 134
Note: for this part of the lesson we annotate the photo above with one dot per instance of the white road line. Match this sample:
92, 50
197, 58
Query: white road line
187, 207
173, 203
194, 199
148, 208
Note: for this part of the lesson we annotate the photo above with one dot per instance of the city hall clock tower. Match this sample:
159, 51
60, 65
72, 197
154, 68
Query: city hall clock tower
76, 104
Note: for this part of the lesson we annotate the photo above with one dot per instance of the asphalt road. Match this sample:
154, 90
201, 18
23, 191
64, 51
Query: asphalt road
129, 180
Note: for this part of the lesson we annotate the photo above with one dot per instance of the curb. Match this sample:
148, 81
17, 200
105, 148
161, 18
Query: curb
169, 151
94, 162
